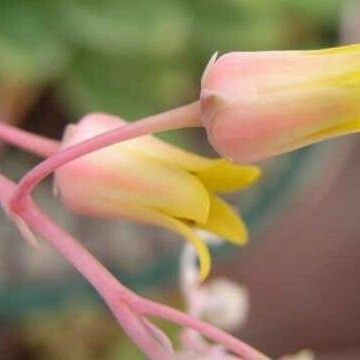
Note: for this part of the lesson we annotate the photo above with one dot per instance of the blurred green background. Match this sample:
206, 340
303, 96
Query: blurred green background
62, 59
137, 57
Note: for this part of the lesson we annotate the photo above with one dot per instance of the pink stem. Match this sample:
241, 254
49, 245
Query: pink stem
233, 344
30, 142
111, 290
114, 294
122, 302
185, 116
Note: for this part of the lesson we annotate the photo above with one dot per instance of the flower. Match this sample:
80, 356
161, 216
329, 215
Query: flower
259, 104
150, 181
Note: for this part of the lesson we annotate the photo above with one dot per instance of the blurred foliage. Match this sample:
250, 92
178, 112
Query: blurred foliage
74, 332
136, 57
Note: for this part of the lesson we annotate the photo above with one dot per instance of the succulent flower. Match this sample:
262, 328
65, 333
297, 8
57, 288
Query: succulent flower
148, 180
259, 104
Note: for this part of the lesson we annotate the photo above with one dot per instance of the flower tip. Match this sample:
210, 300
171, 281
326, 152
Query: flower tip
209, 65
201, 249
225, 222
204, 264
250, 174
237, 233
239, 236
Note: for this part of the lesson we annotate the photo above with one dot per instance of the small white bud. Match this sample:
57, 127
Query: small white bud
224, 303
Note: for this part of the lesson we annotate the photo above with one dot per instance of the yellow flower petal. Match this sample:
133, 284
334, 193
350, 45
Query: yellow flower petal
111, 208
158, 218
201, 248
217, 175
224, 222
222, 176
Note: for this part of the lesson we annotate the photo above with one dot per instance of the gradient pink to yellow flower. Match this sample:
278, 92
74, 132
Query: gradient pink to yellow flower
150, 181
260, 104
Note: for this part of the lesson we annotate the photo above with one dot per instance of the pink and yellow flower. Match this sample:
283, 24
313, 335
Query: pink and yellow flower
259, 104
148, 180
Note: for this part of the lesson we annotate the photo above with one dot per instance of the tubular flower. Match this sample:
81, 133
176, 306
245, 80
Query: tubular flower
150, 181
260, 104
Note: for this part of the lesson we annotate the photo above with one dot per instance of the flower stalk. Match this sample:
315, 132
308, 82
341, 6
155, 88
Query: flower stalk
185, 116
128, 308
115, 295
24, 140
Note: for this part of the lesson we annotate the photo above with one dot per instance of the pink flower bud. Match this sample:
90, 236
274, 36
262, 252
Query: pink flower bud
260, 104
150, 181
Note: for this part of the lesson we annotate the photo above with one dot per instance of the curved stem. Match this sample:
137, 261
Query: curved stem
30, 142
238, 347
185, 116
123, 303
116, 296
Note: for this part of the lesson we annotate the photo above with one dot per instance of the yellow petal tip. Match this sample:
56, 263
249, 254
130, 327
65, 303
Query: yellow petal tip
223, 176
241, 238
225, 222
203, 254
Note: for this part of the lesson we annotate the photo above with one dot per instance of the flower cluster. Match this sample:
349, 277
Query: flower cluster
252, 105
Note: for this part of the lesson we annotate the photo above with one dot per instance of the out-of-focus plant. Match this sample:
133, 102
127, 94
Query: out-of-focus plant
94, 53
